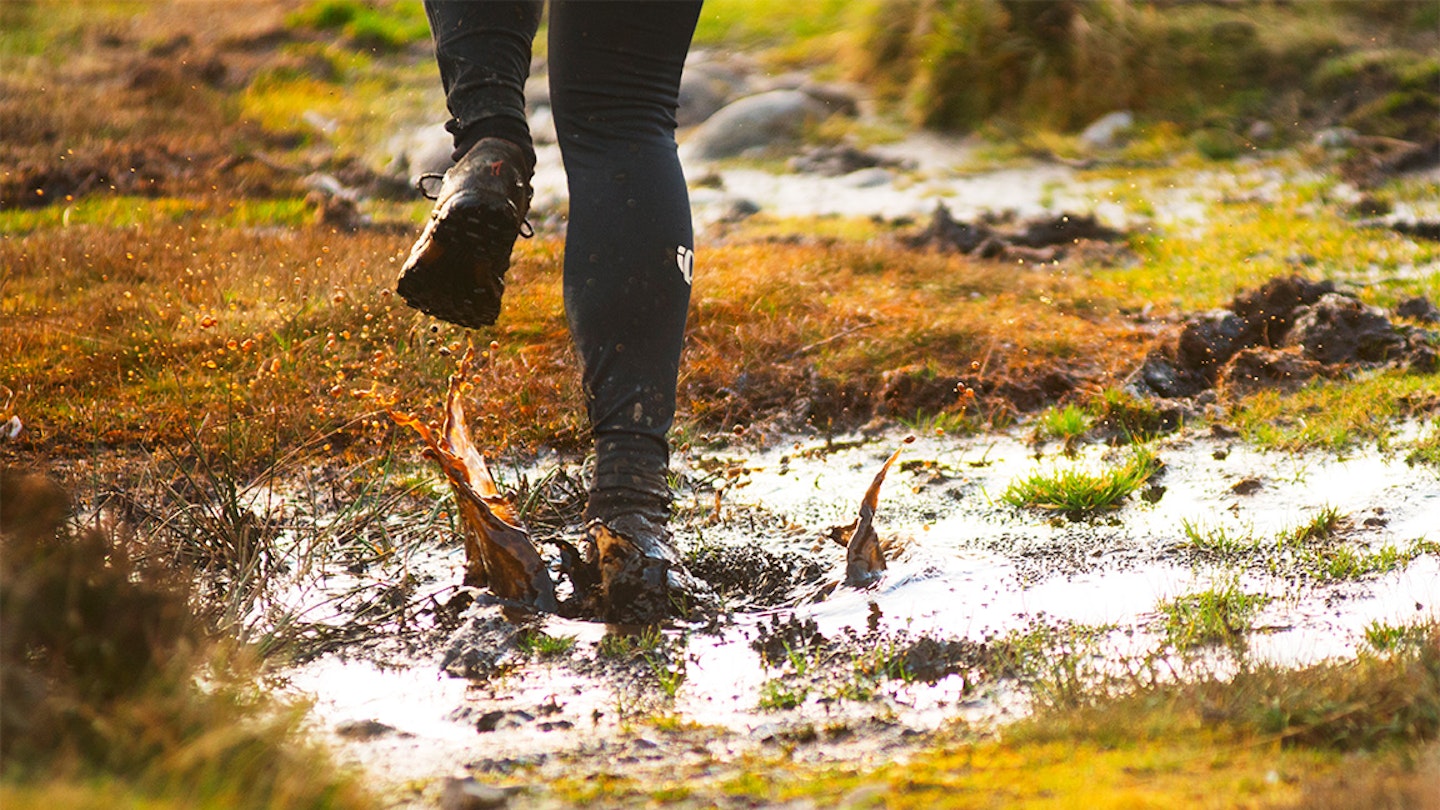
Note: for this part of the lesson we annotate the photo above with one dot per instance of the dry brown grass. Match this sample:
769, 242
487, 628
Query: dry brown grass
131, 337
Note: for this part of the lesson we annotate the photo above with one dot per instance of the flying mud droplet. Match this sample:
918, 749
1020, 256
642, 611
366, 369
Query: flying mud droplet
864, 560
498, 550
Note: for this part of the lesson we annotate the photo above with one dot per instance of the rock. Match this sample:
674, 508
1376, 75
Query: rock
366, 730
739, 210
1105, 132
1419, 308
468, 794
838, 99
1336, 138
704, 89
420, 151
500, 719
1260, 368
1260, 133
775, 118
869, 178
834, 161
1419, 228
1341, 329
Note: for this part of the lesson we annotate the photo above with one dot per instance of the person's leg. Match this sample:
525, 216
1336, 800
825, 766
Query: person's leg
456, 269
483, 48
614, 83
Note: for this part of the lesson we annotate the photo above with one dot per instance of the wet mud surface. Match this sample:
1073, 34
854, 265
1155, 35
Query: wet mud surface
799, 662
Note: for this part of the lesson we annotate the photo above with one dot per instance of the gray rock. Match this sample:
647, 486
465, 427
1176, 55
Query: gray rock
1336, 138
468, 794
419, 151
704, 89
1105, 132
869, 178
839, 99
1261, 133
775, 118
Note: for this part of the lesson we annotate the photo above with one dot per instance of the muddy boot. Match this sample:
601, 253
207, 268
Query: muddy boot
456, 270
642, 578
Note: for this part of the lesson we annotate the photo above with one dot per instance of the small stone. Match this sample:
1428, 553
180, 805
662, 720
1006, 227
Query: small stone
468, 794
364, 730
501, 719
1246, 486
1105, 132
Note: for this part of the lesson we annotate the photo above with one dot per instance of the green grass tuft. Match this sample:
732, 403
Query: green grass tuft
1079, 491
1219, 615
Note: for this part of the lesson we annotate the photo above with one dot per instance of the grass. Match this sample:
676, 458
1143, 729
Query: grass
1262, 736
1049, 64
1078, 491
545, 646
1312, 549
1065, 424
1337, 416
115, 694
1218, 615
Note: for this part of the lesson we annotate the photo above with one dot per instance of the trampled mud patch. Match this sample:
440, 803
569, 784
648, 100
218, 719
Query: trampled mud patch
1038, 240
1282, 334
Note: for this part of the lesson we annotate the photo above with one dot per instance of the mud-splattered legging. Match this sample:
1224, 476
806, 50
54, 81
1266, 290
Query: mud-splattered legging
614, 83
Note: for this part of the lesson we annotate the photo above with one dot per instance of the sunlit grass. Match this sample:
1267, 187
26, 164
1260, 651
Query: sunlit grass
1243, 243
1262, 736
1066, 424
1337, 415
1219, 615
1077, 490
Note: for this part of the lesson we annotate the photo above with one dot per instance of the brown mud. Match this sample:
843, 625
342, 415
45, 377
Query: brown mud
1281, 335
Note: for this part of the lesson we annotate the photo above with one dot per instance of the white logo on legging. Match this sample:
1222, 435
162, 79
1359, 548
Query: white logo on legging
685, 260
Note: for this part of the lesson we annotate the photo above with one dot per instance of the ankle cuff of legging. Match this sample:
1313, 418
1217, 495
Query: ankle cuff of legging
631, 474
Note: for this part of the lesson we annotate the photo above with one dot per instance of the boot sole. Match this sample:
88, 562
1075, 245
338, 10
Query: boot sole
456, 271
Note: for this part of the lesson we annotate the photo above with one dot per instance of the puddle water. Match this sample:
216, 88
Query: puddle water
972, 567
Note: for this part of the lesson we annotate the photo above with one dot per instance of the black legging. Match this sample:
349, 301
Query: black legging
614, 84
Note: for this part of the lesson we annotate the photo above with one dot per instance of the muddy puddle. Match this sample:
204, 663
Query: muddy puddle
966, 572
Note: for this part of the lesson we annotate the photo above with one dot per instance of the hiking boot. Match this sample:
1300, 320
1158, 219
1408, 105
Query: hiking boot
456, 270
642, 579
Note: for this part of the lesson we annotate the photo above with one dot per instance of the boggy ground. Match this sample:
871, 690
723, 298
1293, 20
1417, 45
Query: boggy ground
1220, 593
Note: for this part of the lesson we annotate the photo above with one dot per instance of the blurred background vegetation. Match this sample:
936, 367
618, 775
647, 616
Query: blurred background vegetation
1059, 64
958, 64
